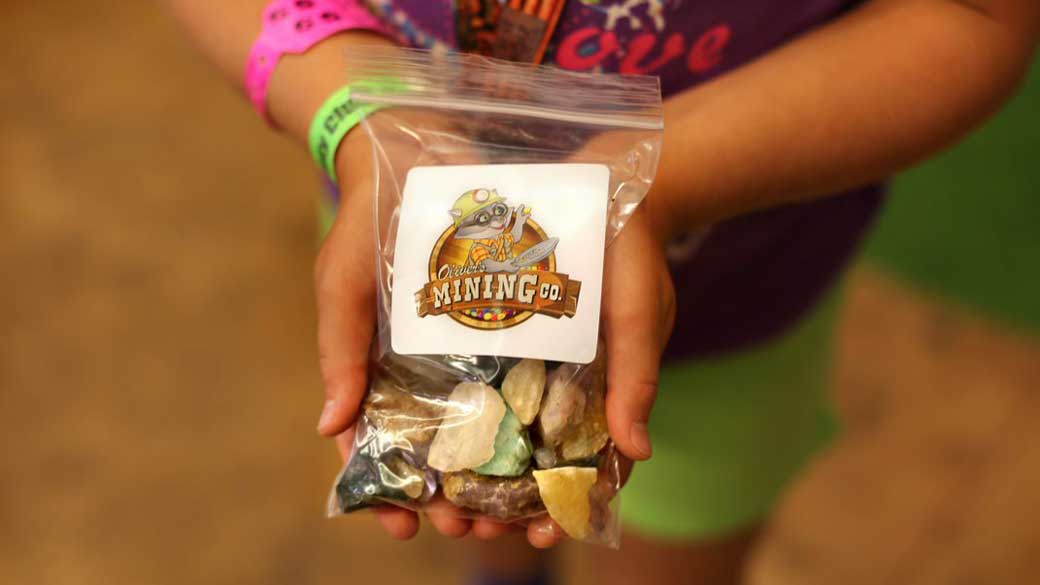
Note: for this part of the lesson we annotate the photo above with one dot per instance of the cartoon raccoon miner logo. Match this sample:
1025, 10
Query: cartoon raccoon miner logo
494, 267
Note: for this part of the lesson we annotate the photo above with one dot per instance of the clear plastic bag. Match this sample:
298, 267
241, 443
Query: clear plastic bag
510, 431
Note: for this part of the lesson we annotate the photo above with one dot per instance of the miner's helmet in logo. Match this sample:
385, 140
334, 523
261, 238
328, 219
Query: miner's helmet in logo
473, 201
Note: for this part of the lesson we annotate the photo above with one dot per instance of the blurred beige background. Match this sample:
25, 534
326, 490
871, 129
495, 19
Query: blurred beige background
158, 380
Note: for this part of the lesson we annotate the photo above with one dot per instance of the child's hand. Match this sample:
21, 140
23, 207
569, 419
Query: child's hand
345, 277
638, 314
345, 283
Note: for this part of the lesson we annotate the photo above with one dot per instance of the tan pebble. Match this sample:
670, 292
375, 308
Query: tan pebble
523, 389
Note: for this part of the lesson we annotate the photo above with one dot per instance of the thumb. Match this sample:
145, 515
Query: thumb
344, 283
638, 311
345, 330
633, 364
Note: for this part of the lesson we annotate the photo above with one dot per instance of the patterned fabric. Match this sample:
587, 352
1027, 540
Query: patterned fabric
751, 278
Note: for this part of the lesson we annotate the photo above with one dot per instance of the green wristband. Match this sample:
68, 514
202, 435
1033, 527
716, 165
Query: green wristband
335, 118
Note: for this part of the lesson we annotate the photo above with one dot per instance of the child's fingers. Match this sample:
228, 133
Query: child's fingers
344, 334
543, 532
344, 283
399, 523
488, 529
632, 373
447, 519
344, 337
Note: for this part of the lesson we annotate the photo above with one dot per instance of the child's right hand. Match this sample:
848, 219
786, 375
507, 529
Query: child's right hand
345, 284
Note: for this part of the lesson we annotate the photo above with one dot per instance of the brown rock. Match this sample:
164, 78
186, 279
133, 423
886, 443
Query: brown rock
402, 418
505, 499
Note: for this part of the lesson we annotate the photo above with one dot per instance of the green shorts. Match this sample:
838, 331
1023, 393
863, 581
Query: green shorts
730, 433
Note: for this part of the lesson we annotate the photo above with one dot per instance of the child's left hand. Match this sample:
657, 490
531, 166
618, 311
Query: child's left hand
638, 314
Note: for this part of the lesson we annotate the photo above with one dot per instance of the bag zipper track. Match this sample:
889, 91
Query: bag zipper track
488, 106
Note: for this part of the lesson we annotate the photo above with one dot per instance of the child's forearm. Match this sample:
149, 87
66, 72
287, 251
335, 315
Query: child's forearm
868, 95
225, 30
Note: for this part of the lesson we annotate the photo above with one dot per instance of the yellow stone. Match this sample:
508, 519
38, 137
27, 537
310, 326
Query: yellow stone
565, 493
523, 388
585, 439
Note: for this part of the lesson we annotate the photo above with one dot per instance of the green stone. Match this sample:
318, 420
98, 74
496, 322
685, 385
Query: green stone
512, 449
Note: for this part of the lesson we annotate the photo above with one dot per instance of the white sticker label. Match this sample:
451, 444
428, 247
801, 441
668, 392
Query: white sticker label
503, 260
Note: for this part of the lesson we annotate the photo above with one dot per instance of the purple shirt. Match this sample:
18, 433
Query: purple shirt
754, 276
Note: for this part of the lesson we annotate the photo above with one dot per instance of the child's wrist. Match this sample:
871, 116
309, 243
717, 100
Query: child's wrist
302, 83
354, 161
665, 220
